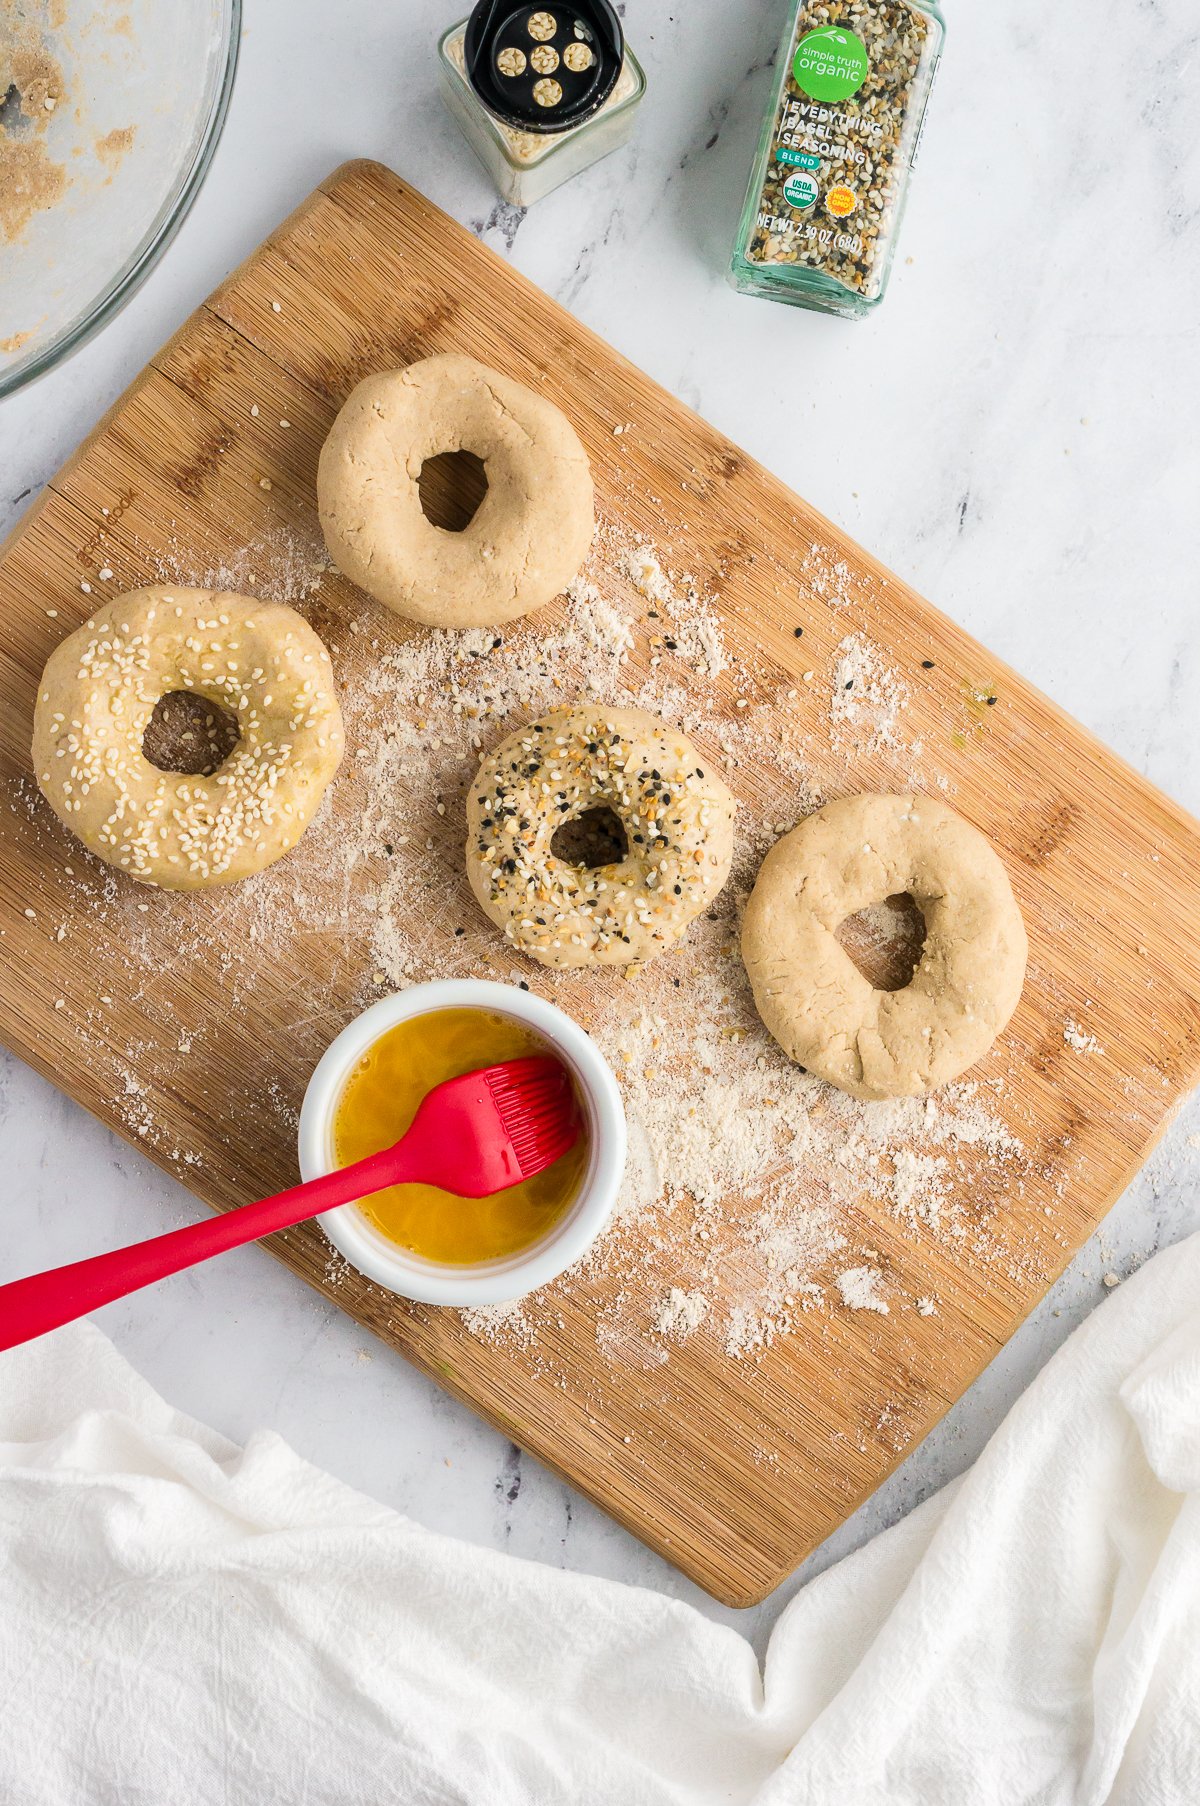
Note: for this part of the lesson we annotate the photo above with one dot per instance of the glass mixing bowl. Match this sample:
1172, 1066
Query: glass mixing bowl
109, 116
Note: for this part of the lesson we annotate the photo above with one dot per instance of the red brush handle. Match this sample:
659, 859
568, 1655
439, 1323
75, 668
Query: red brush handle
30, 1307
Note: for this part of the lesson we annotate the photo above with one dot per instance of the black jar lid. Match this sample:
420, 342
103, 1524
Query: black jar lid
543, 68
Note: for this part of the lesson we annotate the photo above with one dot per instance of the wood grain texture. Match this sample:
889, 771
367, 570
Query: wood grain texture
176, 1023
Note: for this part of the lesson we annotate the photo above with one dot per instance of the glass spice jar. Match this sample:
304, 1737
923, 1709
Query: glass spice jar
827, 190
541, 92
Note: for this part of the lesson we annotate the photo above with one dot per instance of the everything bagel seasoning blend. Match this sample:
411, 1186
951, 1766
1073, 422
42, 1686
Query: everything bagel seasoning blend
827, 189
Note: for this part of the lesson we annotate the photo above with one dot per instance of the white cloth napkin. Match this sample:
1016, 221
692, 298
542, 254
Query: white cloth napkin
182, 1620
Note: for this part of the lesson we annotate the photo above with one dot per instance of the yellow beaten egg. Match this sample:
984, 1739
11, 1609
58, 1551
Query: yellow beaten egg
377, 1105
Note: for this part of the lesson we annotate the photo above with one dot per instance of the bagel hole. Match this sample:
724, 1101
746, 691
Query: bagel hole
451, 487
886, 941
190, 734
592, 839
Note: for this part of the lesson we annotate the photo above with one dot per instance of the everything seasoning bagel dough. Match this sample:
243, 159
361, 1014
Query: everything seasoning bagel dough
811, 995
675, 814
531, 531
184, 831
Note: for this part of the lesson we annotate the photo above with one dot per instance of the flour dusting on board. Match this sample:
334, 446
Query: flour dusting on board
867, 696
1079, 1039
680, 1312
281, 565
861, 1289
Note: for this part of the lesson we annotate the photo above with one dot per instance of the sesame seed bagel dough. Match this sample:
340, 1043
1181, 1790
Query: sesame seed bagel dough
677, 817
821, 1009
530, 533
261, 661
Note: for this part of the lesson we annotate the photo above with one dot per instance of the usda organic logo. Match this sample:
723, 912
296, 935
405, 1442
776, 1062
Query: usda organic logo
800, 190
830, 64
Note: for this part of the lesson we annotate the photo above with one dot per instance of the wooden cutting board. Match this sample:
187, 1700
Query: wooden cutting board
734, 1444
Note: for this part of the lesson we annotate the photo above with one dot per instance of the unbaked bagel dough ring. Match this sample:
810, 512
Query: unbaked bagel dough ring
814, 999
530, 533
676, 814
259, 660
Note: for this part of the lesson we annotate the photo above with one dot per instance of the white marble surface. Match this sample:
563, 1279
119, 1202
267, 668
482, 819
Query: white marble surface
1013, 433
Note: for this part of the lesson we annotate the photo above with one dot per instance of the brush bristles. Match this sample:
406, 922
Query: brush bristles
538, 1112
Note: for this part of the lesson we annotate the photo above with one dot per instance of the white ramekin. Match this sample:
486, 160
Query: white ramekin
494, 1281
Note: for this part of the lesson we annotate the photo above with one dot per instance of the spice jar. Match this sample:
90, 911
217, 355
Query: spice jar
828, 185
541, 92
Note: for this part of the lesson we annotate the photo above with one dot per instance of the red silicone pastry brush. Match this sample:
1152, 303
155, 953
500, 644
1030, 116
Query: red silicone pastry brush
473, 1135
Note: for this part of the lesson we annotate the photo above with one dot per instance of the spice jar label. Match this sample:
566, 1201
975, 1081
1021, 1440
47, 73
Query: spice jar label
830, 64
826, 193
800, 190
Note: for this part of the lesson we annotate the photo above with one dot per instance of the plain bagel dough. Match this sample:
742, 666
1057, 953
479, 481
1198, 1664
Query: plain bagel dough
531, 531
260, 660
811, 995
677, 818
